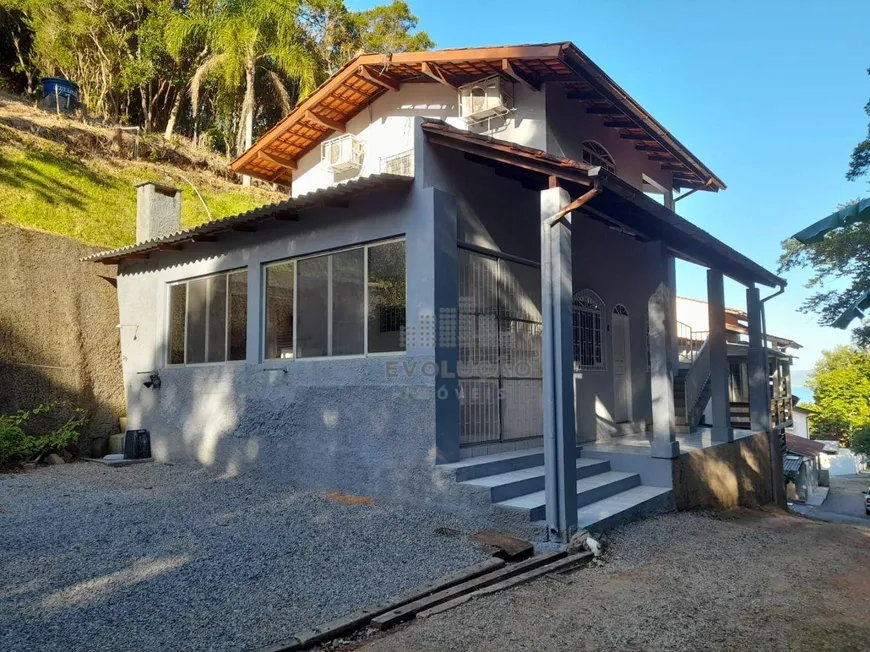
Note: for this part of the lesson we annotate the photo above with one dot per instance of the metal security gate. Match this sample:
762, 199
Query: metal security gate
499, 349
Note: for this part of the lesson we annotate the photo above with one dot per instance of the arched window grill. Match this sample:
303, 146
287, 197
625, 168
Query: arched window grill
594, 153
588, 331
620, 309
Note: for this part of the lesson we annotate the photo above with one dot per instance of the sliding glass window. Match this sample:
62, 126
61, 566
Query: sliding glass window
346, 303
208, 319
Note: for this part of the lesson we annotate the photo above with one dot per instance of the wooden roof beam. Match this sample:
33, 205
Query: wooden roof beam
383, 80
619, 123
583, 95
650, 148
433, 71
335, 125
277, 159
604, 110
518, 76
637, 137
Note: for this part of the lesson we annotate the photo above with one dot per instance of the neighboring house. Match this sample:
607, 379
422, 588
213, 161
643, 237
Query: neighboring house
398, 328
801, 427
802, 466
692, 332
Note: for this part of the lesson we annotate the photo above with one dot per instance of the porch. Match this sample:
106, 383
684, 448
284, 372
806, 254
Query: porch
554, 380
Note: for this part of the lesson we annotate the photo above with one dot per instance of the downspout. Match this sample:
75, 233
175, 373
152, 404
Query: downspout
778, 492
764, 336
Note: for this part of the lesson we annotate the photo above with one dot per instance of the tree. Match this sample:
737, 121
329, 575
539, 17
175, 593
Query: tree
859, 164
861, 441
840, 382
844, 254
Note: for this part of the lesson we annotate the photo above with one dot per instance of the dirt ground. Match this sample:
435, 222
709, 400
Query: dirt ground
744, 580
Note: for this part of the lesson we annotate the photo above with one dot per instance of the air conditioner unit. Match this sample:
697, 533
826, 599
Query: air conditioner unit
485, 99
342, 154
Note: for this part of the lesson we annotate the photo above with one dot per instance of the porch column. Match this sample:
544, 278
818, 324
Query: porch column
560, 444
664, 443
674, 350
759, 399
759, 406
446, 288
719, 397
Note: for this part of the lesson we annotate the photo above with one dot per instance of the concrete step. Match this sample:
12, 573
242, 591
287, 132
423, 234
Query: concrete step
589, 490
504, 486
630, 505
497, 463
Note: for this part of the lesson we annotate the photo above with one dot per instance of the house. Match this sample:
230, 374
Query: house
801, 427
802, 466
692, 331
468, 301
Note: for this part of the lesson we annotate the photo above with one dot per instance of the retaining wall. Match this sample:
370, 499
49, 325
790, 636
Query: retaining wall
58, 331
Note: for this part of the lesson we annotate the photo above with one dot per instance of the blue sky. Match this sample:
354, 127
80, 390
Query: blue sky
769, 94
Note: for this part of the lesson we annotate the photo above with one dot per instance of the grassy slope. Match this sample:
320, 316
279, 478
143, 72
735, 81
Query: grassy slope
46, 186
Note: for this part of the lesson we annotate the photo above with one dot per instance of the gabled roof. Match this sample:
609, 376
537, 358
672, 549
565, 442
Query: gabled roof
244, 222
368, 76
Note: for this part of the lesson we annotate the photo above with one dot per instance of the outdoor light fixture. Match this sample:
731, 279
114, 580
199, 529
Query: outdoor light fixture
153, 381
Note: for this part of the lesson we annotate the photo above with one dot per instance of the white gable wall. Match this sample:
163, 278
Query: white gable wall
568, 125
386, 128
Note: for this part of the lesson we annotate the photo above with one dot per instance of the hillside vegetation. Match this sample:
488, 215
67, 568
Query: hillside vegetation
65, 176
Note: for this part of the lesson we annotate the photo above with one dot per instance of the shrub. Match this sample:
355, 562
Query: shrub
17, 446
861, 441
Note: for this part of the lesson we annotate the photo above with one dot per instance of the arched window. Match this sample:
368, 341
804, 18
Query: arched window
620, 309
588, 331
595, 153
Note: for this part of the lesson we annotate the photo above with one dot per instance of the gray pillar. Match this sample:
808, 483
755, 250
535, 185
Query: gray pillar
759, 408
446, 289
674, 345
560, 445
719, 371
664, 443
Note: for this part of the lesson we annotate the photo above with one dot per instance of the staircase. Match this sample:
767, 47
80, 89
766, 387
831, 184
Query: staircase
688, 422
515, 485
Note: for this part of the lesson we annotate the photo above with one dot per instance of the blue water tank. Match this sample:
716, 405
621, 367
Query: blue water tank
65, 88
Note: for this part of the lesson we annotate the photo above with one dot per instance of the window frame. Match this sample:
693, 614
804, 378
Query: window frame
168, 320
365, 246
610, 165
576, 345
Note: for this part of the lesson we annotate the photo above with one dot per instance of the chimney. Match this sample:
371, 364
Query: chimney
158, 210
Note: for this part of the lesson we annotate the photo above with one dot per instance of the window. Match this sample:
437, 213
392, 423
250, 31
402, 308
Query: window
208, 319
595, 154
346, 303
587, 327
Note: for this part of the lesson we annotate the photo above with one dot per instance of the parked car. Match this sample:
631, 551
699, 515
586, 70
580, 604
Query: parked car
867, 503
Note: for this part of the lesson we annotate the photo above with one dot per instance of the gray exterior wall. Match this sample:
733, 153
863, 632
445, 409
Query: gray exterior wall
346, 424
351, 424
499, 214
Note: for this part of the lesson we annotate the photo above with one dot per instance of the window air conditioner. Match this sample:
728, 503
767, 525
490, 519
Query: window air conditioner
485, 99
342, 154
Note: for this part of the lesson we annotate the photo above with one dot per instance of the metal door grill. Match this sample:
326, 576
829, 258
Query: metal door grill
499, 350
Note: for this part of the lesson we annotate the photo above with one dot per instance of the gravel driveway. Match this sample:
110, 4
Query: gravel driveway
158, 557
680, 582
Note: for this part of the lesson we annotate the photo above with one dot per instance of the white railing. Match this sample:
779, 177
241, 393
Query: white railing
689, 342
696, 378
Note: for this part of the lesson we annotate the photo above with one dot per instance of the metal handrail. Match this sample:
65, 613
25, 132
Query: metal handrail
695, 379
689, 342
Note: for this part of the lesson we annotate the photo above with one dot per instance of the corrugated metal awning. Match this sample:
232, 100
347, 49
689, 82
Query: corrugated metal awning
246, 221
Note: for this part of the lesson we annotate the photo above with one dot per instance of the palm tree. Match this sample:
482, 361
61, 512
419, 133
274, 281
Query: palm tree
246, 41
